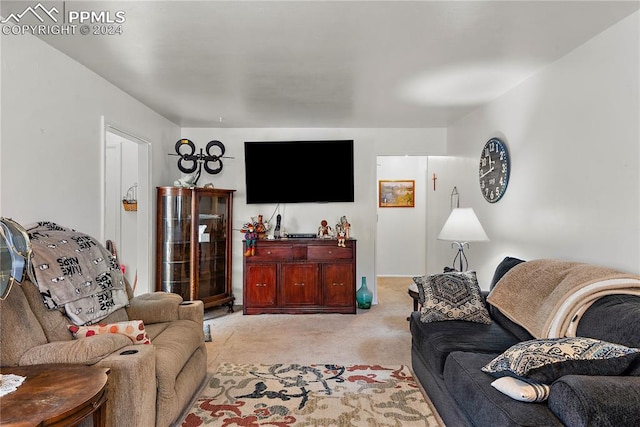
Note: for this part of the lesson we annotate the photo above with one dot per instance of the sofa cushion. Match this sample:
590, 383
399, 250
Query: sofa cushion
54, 322
582, 400
451, 296
613, 318
483, 404
174, 347
84, 351
20, 327
505, 265
509, 325
546, 360
155, 307
437, 339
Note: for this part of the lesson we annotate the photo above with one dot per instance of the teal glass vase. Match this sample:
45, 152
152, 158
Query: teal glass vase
364, 295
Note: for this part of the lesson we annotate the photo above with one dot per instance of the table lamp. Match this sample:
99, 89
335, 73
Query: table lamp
462, 227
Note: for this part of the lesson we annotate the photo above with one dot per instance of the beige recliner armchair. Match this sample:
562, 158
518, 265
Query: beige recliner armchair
149, 385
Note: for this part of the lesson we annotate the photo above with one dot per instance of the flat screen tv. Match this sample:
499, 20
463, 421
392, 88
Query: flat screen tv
299, 171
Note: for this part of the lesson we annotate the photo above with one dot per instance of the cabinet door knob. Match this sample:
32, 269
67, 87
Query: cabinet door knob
330, 252
337, 284
298, 284
261, 285
268, 252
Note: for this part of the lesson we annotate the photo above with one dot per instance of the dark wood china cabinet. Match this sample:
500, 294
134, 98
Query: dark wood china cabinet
194, 244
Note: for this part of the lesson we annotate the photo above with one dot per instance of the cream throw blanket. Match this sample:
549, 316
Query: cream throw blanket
548, 297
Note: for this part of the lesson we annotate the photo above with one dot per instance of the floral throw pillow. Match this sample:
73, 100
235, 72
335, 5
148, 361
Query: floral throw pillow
451, 296
546, 360
133, 329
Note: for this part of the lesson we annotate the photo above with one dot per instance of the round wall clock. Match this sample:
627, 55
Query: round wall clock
494, 170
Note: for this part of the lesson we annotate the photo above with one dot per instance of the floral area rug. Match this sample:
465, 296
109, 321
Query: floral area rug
310, 395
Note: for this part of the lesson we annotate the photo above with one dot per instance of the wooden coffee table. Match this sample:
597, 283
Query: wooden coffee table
55, 395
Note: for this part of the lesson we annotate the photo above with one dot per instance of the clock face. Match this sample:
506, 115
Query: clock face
494, 170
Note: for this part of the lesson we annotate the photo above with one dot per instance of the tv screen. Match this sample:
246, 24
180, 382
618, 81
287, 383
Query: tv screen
299, 171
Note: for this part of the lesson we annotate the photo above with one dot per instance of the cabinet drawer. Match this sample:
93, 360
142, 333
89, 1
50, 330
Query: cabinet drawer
270, 253
328, 252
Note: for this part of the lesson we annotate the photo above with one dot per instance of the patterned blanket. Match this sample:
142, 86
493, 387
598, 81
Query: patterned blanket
74, 271
548, 297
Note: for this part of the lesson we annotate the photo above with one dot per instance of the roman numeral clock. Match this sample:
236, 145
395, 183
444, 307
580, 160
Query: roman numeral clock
494, 170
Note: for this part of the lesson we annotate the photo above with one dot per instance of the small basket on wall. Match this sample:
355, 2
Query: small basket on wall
130, 201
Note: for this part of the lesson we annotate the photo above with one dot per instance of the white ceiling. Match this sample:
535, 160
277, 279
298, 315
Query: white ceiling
331, 63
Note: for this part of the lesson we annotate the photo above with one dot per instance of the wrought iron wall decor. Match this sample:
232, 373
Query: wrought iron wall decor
210, 157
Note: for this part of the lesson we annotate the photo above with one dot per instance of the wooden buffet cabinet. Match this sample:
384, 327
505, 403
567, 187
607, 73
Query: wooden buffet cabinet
194, 244
300, 276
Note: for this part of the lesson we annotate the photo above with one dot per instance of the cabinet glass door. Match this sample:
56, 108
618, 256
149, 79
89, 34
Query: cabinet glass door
176, 247
212, 244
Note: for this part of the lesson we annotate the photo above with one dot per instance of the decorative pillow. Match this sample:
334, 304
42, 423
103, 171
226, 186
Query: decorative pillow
524, 391
546, 360
451, 296
133, 329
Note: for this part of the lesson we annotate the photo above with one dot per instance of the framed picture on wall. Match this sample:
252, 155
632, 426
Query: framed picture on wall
396, 194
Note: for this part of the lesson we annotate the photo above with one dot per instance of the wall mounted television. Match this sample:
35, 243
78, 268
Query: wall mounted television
299, 171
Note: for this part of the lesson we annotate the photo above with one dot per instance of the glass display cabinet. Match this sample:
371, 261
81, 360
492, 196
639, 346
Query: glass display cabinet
194, 244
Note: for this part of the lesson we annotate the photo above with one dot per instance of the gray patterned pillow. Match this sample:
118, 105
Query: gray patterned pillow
546, 360
451, 296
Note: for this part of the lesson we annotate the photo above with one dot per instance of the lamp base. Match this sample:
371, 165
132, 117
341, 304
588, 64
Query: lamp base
460, 257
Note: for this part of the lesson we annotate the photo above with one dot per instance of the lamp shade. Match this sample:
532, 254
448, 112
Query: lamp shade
463, 226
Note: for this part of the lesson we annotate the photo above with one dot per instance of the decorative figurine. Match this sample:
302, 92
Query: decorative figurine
345, 226
324, 230
261, 227
251, 238
187, 181
341, 239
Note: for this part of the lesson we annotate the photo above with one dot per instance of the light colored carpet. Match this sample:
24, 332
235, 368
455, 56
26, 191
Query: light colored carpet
311, 395
377, 336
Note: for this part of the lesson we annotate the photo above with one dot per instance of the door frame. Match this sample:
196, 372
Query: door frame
145, 217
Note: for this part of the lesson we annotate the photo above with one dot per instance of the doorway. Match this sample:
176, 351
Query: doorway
401, 248
127, 204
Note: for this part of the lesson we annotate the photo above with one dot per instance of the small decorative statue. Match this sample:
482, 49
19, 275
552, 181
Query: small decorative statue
186, 181
261, 227
345, 226
324, 230
341, 239
251, 237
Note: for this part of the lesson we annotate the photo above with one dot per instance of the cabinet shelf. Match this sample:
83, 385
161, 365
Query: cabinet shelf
187, 265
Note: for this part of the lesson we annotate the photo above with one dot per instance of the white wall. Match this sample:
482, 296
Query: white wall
306, 217
51, 164
573, 135
572, 130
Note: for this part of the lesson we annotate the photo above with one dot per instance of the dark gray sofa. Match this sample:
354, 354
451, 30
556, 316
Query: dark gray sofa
447, 357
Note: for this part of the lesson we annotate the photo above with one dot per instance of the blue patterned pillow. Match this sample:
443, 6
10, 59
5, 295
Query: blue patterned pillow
451, 296
546, 360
